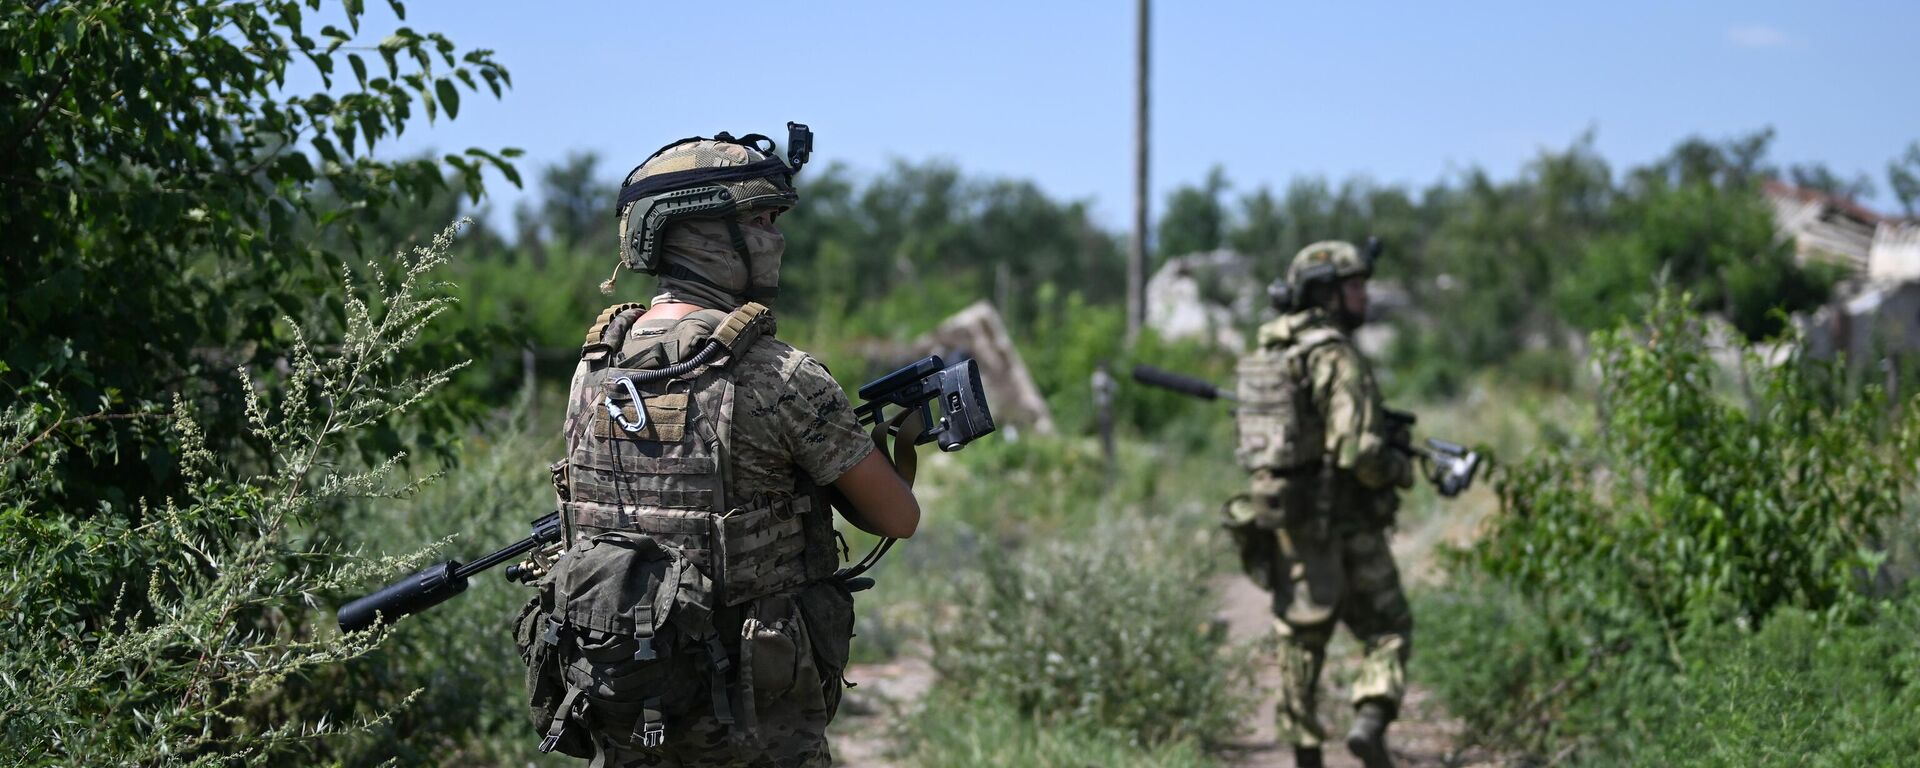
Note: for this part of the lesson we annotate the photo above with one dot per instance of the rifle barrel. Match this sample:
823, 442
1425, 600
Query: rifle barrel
1186, 385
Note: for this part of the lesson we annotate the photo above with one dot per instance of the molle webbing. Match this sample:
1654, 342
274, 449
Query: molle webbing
608, 329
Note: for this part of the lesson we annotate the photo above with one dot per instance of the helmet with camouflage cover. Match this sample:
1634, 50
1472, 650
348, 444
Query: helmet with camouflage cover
1322, 263
720, 179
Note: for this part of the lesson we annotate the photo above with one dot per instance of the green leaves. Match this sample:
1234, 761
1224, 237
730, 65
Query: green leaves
1708, 499
167, 201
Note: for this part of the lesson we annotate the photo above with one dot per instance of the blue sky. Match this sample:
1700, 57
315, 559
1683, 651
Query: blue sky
1403, 93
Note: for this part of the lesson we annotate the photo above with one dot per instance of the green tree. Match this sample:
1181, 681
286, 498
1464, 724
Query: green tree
1196, 217
161, 198
1903, 177
1697, 221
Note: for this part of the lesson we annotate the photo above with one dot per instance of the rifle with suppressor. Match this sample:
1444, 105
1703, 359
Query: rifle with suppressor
434, 584
962, 416
1452, 465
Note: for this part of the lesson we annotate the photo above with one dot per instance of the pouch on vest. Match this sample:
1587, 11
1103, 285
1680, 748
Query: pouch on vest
545, 688
1259, 551
634, 618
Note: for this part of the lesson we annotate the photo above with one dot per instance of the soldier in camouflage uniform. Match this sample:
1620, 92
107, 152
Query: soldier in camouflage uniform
1325, 475
720, 638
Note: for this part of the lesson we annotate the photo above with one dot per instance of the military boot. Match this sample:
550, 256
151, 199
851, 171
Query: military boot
1307, 757
1368, 737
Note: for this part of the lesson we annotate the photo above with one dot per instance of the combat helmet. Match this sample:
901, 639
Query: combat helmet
1324, 262
702, 177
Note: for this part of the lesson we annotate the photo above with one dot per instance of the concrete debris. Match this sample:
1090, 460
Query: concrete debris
1208, 296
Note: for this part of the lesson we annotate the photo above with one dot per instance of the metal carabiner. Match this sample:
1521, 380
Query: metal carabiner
639, 407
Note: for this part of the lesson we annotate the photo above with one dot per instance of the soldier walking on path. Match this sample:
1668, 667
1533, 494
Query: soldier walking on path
1314, 436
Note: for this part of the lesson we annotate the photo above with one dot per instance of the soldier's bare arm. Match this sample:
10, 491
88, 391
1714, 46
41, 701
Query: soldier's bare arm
883, 505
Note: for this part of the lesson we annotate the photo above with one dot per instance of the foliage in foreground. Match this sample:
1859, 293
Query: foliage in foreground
194, 673
1111, 633
1636, 584
988, 733
166, 199
1800, 690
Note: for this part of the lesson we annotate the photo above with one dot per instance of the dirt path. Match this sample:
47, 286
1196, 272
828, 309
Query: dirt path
1424, 735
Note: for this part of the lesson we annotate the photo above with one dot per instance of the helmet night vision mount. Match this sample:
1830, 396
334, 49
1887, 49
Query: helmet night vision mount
705, 183
1309, 268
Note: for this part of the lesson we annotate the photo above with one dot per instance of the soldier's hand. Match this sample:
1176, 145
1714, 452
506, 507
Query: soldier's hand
1402, 470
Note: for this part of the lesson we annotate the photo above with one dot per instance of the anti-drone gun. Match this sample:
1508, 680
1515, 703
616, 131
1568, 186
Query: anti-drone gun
952, 409
434, 584
951, 403
1453, 465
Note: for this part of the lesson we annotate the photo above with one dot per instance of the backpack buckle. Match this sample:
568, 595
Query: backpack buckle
653, 735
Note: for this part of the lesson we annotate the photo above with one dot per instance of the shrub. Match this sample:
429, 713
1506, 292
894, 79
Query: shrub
989, 733
1691, 500
1613, 602
1111, 632
187, 664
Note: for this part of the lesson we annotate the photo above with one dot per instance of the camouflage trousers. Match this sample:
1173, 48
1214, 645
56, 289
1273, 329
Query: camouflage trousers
1323, 579
792, 734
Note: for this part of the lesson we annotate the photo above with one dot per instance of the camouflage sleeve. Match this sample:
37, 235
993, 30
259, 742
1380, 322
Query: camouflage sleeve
817, 420
1344, 387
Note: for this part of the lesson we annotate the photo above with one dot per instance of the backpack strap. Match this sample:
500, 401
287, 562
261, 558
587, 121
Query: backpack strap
608, 329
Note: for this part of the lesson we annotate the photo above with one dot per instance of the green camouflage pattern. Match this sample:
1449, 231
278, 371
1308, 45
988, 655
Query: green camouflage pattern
1339, 578
1340, 258
1337, 569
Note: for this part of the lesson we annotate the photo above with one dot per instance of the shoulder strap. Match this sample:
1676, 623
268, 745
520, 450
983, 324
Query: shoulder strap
608, 329
1315, 337
744, 327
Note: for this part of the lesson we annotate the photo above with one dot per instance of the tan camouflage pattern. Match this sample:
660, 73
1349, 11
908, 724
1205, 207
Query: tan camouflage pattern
1342, 388
789, 416
792, 426
1340, 570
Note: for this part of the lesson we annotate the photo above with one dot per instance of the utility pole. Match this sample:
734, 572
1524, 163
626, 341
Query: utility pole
1137, 249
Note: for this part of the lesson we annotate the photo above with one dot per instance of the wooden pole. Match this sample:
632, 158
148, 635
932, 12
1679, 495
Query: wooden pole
1137, 248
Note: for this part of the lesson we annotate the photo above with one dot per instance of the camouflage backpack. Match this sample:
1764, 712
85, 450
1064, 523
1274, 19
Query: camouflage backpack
1281, 443
623, 634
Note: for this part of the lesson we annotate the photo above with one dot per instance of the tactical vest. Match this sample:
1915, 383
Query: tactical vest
655, 545
1282, 435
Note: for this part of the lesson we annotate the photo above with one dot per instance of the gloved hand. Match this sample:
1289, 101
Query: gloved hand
1400, 469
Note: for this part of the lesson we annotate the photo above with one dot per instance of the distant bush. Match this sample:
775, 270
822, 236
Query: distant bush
1110, 632
1696, 498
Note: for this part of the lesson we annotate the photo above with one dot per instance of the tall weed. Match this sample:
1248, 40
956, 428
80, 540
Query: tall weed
191, 664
